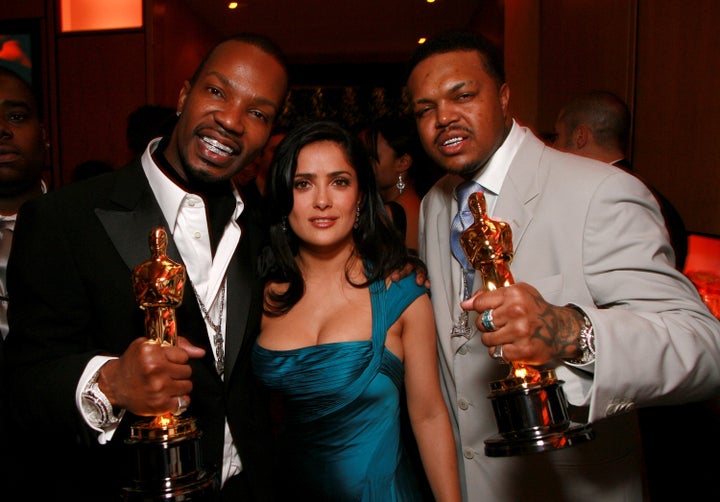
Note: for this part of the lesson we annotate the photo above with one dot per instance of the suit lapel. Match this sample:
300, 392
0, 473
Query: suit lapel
445, 213
520, 190
134, 213
238, 301
438, 214
244, 298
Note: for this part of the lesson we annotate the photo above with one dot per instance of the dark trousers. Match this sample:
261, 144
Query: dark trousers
236, 489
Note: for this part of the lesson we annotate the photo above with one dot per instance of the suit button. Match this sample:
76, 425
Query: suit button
463, 404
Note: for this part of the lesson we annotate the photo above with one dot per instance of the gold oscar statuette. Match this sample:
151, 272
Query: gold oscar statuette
167, 447
530, 406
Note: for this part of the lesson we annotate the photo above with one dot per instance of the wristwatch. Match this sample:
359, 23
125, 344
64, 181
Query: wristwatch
586, 339
97, 407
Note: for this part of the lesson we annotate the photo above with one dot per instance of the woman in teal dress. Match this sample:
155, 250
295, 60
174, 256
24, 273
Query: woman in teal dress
341, 343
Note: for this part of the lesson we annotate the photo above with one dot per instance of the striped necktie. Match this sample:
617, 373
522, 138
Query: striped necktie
463, 219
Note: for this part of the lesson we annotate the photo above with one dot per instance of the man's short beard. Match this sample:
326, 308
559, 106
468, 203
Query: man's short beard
466, 169
200, 180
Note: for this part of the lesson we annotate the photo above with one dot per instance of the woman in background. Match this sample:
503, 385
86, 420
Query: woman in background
402, 171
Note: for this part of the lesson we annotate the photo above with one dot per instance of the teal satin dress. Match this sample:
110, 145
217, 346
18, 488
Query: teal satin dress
342, 429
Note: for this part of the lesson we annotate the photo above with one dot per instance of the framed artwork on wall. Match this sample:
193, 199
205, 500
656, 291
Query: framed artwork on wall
20, 50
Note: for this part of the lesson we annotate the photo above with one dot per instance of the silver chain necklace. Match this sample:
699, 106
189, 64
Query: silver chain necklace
217, 337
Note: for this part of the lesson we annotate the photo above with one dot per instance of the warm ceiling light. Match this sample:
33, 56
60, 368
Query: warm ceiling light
422, 40
430, 1
232, 5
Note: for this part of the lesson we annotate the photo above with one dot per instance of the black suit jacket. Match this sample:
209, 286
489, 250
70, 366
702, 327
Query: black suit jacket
69, 277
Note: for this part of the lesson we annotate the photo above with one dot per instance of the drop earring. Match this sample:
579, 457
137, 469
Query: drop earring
400, 184
357, 218
283, 224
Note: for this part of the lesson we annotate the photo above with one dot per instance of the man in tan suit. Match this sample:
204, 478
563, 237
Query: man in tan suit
585, 234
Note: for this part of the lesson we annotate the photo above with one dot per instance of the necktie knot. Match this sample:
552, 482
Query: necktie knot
462, 193
464, 190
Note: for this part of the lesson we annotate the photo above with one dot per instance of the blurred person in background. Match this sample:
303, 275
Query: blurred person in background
596, 125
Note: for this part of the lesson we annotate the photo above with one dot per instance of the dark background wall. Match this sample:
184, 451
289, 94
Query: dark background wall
660, 55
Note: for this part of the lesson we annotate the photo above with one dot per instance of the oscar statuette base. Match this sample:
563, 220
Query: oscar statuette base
168, 463
532, 417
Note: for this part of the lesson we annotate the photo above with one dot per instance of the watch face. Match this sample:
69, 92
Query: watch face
91, 409
96, 407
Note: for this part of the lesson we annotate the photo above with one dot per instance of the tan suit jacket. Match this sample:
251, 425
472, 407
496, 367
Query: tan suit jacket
586, 233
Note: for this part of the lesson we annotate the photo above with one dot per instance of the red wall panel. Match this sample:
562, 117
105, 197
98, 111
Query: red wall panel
101, 79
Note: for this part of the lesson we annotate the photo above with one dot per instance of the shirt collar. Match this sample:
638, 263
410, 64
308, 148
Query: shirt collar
491, 177
170, 195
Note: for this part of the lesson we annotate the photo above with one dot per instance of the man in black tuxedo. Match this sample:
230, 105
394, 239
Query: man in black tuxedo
81, 371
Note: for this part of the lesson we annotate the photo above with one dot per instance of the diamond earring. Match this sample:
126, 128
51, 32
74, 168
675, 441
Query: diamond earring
400, 184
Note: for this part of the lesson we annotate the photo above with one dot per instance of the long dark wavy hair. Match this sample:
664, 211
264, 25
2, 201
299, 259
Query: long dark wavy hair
377, 242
